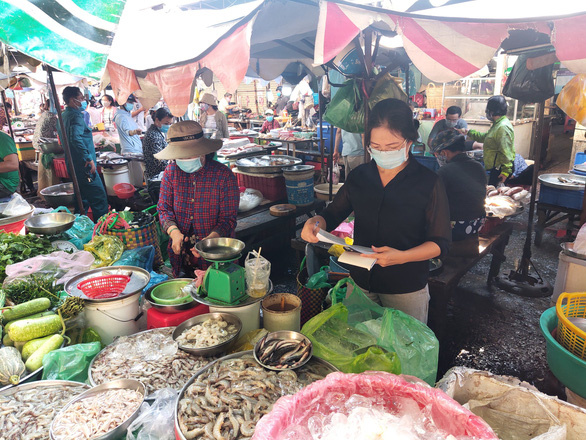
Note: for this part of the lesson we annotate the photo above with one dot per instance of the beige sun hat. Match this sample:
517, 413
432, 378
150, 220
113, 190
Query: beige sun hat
186, 140
208, 98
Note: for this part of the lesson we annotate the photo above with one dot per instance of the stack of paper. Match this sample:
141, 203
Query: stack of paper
352, 255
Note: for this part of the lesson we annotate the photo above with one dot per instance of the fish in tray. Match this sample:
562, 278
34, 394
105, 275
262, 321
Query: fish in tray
283, 353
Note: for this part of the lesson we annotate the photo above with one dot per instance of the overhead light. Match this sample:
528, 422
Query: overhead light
437, 3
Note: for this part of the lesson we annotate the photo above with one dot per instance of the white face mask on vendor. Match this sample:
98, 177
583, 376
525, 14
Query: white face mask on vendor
189, 165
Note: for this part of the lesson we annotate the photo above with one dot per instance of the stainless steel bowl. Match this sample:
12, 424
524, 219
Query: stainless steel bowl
173, 308
284, 334
50, 224
120, 430
223, 248
59, 195
214, 349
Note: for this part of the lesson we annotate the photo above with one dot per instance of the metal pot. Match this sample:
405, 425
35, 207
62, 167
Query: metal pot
59, 195
214, 349
50, 224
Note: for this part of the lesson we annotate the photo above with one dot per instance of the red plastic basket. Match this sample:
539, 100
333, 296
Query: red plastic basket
109, 286
124, 190
60, 168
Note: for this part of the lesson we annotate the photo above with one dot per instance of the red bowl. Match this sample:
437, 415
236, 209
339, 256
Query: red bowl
124, 190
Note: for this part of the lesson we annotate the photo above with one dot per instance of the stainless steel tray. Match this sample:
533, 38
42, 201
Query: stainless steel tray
573, 182
243, 165
138, 281
39, 383
313, 360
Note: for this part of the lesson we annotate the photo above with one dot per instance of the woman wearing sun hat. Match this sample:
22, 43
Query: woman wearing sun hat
211, 118
199, 197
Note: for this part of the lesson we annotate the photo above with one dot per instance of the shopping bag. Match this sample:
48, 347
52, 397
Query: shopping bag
311, 298
529, 85
572, 99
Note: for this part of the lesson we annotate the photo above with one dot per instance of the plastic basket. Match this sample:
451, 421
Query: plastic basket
124, 190
60, 168
571, 305
109, 286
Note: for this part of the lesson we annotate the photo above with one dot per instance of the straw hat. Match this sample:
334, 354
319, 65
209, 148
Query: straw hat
186, 140
208, 98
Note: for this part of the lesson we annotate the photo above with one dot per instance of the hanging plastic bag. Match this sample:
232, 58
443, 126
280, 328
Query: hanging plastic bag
70, 363
140, 257
155, 422
349, 349
61, 265
319, 280
106, 249
414, 342
530, 85
572, 99
346, 109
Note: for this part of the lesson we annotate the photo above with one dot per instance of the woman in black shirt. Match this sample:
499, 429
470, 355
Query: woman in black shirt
401, 211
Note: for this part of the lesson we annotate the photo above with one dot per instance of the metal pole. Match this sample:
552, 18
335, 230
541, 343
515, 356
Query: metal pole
331, 163
537, 149
321, 134
65, 141
7, 113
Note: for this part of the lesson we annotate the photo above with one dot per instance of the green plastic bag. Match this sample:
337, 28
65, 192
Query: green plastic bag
106, 250
70, 363
319, 280
414, 342
349, 349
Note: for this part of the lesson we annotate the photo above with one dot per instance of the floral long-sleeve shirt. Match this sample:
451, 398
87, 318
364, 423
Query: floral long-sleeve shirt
198, 203
153, 142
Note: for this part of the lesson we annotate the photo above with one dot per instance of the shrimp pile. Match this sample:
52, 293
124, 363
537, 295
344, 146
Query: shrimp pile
207, 334
151, 357
226, 401
27, 414
96, 415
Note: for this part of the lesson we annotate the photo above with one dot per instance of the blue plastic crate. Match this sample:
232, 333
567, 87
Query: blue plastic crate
327, 134
561, 197
428, 162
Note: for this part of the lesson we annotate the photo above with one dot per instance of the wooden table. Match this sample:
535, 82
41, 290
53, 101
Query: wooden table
457, 264
548, 215
263, 229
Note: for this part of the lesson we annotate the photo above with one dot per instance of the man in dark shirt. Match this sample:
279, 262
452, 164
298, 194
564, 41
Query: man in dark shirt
281, 101
465, 181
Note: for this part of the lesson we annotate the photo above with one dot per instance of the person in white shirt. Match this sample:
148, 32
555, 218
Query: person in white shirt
225, 105
302, 93
137, 112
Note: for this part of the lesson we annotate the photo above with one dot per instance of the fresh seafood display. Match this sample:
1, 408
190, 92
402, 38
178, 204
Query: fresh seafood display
266, 161
151, 357
28, 413
282, 353
207, 334
96, 415
227, 399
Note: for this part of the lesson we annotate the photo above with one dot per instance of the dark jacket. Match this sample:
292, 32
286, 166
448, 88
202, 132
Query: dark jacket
465, 182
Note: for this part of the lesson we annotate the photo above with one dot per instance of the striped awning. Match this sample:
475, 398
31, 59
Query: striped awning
444, 49
71, 35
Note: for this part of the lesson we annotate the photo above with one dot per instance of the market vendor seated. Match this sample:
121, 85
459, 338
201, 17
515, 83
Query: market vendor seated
465, 181
199, 196
271, 123
8, 166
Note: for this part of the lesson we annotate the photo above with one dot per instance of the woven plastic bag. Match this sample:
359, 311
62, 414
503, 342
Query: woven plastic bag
572, 99
349, 349
395, 331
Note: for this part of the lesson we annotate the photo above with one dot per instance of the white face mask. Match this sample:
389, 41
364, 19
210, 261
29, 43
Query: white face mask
451, 124
389, 159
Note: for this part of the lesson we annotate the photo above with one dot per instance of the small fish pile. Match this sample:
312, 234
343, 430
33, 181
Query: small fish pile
151, 357
228, 398
207, 334
282, 353
27, 414
96, 415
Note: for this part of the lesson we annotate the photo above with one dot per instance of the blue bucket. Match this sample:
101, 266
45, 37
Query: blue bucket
299, 183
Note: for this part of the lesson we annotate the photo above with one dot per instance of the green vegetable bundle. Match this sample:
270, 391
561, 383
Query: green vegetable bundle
32, 287
16, 248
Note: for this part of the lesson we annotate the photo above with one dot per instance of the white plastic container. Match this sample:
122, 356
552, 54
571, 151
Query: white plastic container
274, 319
112, 176
249, 315
136, 169
571, 276
113, 318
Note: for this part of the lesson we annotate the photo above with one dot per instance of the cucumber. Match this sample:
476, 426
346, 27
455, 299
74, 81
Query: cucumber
26, 309
19, 345
27, 329
31, 346
35, 361
7, 341
2, 297
36, 315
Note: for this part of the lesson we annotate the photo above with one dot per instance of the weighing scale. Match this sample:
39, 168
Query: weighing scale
224, 281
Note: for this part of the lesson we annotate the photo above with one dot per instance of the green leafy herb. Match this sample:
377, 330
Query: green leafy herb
16, 248
32, 287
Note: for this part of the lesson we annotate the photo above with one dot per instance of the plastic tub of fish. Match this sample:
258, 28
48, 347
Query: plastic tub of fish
104, 412
283, 350
26, 410
208, 334
152, 357
238, 410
